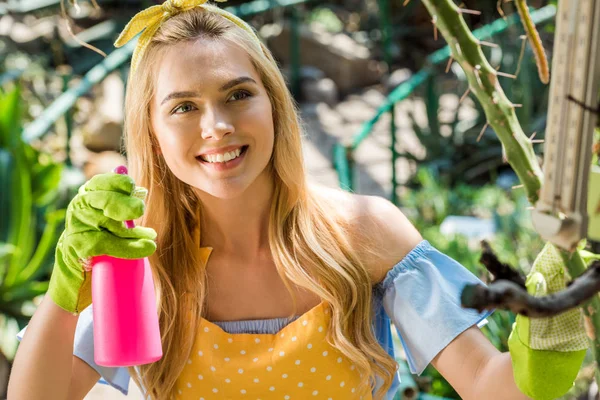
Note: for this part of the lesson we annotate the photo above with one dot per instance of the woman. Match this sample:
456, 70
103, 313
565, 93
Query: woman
269, 287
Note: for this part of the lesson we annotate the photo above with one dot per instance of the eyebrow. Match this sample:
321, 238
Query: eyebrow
226, 86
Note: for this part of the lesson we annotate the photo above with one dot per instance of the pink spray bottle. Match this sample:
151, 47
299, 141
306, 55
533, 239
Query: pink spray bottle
126, 330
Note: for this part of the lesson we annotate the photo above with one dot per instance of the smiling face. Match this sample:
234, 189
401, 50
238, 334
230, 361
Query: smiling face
212, 117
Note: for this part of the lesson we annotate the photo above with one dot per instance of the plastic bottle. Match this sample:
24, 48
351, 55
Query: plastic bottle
126, 330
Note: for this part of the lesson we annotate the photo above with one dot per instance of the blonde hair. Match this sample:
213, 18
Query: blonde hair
310, 242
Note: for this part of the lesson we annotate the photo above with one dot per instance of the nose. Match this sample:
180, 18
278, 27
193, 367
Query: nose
215, 124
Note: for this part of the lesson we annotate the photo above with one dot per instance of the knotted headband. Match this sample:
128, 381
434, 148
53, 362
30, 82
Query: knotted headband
150, 19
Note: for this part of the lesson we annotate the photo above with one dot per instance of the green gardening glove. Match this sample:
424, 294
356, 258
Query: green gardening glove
547, 352
94, 226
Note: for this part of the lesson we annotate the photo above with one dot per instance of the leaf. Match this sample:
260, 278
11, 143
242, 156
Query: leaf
6, 166
21, 227
588, 257
17, 295
45, 247
6, 250
10, 119
45, 183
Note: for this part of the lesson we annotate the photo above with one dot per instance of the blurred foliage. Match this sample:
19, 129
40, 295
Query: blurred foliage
434, 199
327, 18
515, 241
29, 222
596, 155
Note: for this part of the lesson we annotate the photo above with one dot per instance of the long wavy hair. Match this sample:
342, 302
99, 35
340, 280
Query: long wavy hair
309, 240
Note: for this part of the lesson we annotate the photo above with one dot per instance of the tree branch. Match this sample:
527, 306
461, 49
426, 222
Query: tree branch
497, 268
507, 295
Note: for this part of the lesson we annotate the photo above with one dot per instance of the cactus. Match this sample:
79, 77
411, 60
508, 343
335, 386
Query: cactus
484, 84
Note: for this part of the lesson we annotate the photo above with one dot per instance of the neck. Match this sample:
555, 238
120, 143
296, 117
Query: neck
239, 225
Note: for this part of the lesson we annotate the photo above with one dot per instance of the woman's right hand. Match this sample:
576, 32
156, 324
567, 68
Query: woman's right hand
95, 226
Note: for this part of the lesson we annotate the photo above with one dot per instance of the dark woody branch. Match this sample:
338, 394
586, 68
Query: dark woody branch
504, 294
498, 269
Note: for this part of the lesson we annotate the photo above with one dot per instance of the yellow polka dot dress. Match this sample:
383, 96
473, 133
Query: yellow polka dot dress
294, 363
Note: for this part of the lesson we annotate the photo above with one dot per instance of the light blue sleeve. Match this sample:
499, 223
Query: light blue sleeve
83, 348
421, 295
383, 332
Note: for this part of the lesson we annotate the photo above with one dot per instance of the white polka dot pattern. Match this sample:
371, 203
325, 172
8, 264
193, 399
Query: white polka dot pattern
295, 363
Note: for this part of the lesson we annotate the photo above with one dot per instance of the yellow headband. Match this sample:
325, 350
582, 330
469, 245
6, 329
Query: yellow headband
150, 19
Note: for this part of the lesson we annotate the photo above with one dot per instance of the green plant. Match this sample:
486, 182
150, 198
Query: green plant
515, 241
484, 83
466, 149
327, 18
29, 222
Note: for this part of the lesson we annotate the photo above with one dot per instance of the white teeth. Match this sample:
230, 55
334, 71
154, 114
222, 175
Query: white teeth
230, 155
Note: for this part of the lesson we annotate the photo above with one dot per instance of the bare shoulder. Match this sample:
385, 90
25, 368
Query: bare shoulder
381, 233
